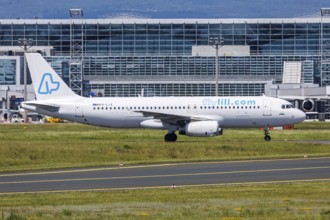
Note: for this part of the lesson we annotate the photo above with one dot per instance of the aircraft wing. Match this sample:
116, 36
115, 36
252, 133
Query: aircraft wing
177, 118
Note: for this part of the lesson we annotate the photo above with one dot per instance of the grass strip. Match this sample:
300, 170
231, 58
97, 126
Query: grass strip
305, 200
48, 146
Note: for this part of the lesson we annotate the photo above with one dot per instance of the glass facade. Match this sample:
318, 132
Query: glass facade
8, 71
176, 89
124, 56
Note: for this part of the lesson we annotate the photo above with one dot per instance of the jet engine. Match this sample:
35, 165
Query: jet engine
308, 105
201, 129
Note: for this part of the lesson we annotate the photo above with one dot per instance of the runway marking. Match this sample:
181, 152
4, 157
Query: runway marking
165, 175
166, 187
154, 165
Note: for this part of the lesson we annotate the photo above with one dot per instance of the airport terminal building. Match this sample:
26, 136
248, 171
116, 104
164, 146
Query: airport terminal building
173, 57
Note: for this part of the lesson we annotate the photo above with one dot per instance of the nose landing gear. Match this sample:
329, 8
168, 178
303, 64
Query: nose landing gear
267, 134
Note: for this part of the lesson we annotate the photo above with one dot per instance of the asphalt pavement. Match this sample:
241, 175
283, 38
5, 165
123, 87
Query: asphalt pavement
167, 175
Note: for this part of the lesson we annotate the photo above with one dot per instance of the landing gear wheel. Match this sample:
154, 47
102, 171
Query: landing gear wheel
170, 137
267, 138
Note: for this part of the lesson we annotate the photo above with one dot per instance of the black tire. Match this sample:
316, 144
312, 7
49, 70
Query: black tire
167, 138
174, 137
170, 137
267, 138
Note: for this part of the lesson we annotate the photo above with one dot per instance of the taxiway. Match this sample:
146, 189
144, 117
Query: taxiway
167, 175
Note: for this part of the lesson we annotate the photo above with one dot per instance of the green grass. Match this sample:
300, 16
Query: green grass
28, 147
265, 201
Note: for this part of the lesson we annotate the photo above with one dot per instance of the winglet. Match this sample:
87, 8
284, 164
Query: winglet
46, 82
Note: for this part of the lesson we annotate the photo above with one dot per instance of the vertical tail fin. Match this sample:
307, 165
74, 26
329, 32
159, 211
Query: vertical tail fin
46, 82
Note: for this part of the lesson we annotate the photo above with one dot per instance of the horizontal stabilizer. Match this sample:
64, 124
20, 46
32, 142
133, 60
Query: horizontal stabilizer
48, 107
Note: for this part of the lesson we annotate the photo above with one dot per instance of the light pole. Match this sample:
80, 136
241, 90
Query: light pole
25, 44
216, 42
76, 51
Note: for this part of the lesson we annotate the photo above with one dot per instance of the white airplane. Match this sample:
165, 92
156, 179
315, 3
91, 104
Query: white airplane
192, 116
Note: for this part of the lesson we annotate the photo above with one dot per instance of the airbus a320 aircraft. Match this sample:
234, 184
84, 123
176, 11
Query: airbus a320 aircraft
192, 116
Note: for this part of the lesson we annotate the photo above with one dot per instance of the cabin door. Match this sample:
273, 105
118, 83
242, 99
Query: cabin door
267, 107
79, 109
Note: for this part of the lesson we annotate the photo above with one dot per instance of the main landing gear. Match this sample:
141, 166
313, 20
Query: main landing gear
267, 136
170, 137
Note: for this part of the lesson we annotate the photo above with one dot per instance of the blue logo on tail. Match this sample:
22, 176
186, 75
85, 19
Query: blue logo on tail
48, 85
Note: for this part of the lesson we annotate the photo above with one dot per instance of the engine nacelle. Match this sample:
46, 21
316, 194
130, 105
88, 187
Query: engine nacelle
201, 129
308, 105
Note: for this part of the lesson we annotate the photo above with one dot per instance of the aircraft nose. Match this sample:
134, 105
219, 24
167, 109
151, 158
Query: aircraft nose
300, 115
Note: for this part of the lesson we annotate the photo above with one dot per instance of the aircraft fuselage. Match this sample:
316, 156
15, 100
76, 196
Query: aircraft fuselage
127, 112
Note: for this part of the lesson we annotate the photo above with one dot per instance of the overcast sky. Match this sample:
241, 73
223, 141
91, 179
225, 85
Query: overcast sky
50, 9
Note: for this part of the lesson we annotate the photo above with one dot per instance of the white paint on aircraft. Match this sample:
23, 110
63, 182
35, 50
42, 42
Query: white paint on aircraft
193, 116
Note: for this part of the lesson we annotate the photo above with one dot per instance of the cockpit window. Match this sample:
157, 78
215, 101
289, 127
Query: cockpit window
287, 106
